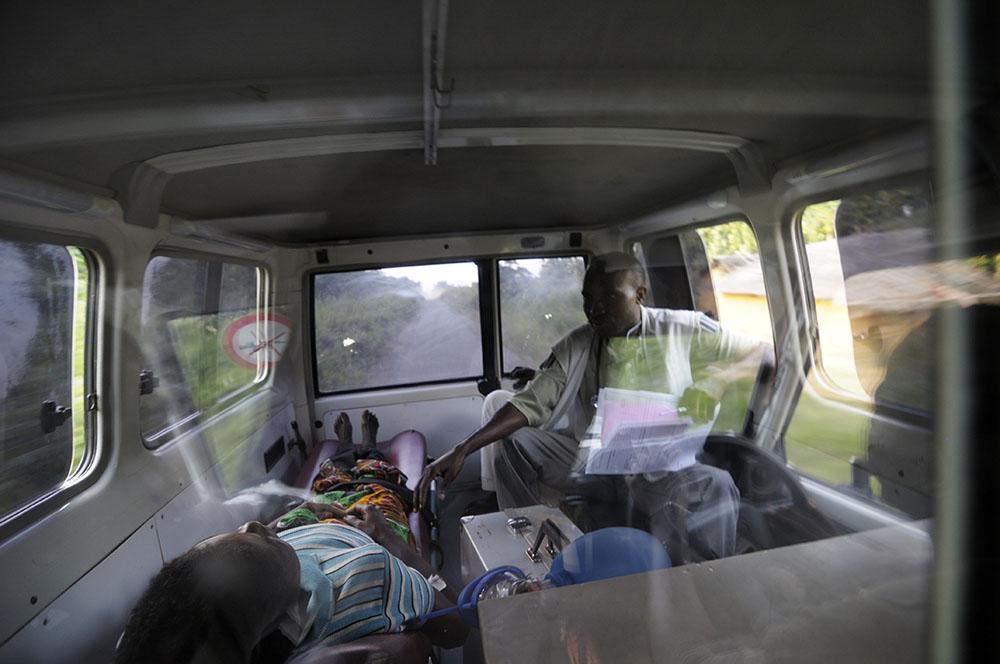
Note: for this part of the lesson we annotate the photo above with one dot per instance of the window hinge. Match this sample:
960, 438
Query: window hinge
54, 416
91, 402
148, 382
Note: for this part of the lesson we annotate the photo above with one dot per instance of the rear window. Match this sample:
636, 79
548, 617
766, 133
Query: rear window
540, 302
397, 326
44, 306
206, 341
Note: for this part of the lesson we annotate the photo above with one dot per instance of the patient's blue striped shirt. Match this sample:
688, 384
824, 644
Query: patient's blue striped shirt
352, 585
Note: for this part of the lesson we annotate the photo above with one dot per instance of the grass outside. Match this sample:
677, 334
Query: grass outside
823, 434
822, 437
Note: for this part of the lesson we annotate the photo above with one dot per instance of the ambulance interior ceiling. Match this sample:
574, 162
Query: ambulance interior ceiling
90, 90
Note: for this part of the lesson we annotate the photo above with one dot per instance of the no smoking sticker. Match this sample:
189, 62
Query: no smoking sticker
252, 340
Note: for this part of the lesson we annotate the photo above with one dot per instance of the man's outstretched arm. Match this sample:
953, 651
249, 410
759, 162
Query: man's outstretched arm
506, 421
744, 361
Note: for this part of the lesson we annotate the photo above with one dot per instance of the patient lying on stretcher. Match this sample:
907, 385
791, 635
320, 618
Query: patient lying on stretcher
354, 476
325, 571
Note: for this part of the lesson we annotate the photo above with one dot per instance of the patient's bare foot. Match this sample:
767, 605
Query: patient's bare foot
342, 427
369, 429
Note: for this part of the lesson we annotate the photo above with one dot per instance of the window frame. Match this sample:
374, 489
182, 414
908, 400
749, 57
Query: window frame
486, 342
164, 437
819, 379
96, 380
90, 383
814, 374
499, 305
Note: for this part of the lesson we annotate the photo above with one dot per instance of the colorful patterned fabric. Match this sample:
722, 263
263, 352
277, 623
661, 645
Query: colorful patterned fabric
355, 587
299, 516
330, 475
378, 496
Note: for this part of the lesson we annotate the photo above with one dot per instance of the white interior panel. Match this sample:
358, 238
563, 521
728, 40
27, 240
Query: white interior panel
84, 623
200, 511
444, 414
224, 498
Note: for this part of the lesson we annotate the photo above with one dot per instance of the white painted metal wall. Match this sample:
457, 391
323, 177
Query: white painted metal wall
60, 598
445, 414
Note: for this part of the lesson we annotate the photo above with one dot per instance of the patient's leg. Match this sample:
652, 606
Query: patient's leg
343, 428
369, 430
534, 467
343, 457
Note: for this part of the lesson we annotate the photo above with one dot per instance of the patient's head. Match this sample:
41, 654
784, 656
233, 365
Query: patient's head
215, 602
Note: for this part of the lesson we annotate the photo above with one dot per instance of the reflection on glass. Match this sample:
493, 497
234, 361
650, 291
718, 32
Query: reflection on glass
865, 418
737, 278
735, 281
193, 312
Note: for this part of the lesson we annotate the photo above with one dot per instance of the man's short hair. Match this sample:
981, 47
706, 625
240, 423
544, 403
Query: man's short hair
618, 261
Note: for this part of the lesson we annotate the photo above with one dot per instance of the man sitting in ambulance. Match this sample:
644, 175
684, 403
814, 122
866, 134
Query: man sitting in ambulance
532, 439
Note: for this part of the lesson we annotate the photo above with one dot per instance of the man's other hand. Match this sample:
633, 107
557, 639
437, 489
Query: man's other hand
446, 467
700, 405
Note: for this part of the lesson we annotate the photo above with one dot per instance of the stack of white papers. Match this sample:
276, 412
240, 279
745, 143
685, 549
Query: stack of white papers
638, 432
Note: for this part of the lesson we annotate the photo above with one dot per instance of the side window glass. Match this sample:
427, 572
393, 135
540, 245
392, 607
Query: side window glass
864, 419
540, 302
736, 278
205, 341
44, 295
827, 436
397, 326
727, 282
